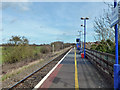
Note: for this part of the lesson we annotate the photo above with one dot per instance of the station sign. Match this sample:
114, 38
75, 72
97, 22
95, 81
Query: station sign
115, 16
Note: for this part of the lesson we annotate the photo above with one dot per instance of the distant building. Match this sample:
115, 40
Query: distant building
57, 45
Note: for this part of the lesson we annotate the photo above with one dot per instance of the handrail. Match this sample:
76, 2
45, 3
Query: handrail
103, 61
111, 55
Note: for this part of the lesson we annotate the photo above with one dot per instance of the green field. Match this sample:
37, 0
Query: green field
11, 54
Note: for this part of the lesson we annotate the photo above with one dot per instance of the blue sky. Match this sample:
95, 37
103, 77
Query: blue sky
45, 22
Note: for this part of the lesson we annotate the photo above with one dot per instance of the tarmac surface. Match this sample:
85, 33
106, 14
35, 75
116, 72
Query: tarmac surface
75, 72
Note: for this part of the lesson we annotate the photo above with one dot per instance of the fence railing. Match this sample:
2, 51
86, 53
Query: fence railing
103, 61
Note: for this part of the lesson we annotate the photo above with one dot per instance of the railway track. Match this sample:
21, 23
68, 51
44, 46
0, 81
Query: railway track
33, 79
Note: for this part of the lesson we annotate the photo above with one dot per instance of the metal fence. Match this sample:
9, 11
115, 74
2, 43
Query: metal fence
103, 61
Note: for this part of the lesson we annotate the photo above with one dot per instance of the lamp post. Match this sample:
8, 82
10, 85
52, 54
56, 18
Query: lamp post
80, 37
82, 18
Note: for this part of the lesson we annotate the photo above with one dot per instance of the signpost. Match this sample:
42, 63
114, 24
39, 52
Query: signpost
114, 17
114, 22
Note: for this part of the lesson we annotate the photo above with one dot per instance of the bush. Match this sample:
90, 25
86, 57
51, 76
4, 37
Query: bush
101, 48
106, 46
44, 50
17, 53
93, 46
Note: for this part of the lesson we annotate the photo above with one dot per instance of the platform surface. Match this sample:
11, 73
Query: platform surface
66, 76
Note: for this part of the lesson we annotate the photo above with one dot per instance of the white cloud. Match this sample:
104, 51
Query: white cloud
23, 6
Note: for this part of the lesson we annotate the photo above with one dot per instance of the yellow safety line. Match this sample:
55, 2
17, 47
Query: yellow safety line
76, 74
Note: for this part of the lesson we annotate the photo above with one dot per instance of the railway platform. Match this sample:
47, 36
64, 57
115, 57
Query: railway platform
72, 71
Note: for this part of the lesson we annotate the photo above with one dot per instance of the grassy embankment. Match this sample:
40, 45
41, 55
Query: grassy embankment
12, 54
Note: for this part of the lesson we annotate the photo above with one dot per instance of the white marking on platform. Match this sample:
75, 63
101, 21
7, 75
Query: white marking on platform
41, 82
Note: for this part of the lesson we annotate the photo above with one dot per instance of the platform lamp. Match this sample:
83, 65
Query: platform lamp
80, 37
82, 18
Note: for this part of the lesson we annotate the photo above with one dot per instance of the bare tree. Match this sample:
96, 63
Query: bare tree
16, 40
102, 26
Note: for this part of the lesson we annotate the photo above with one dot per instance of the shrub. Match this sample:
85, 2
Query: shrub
44, 50
93, 46
18, 53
